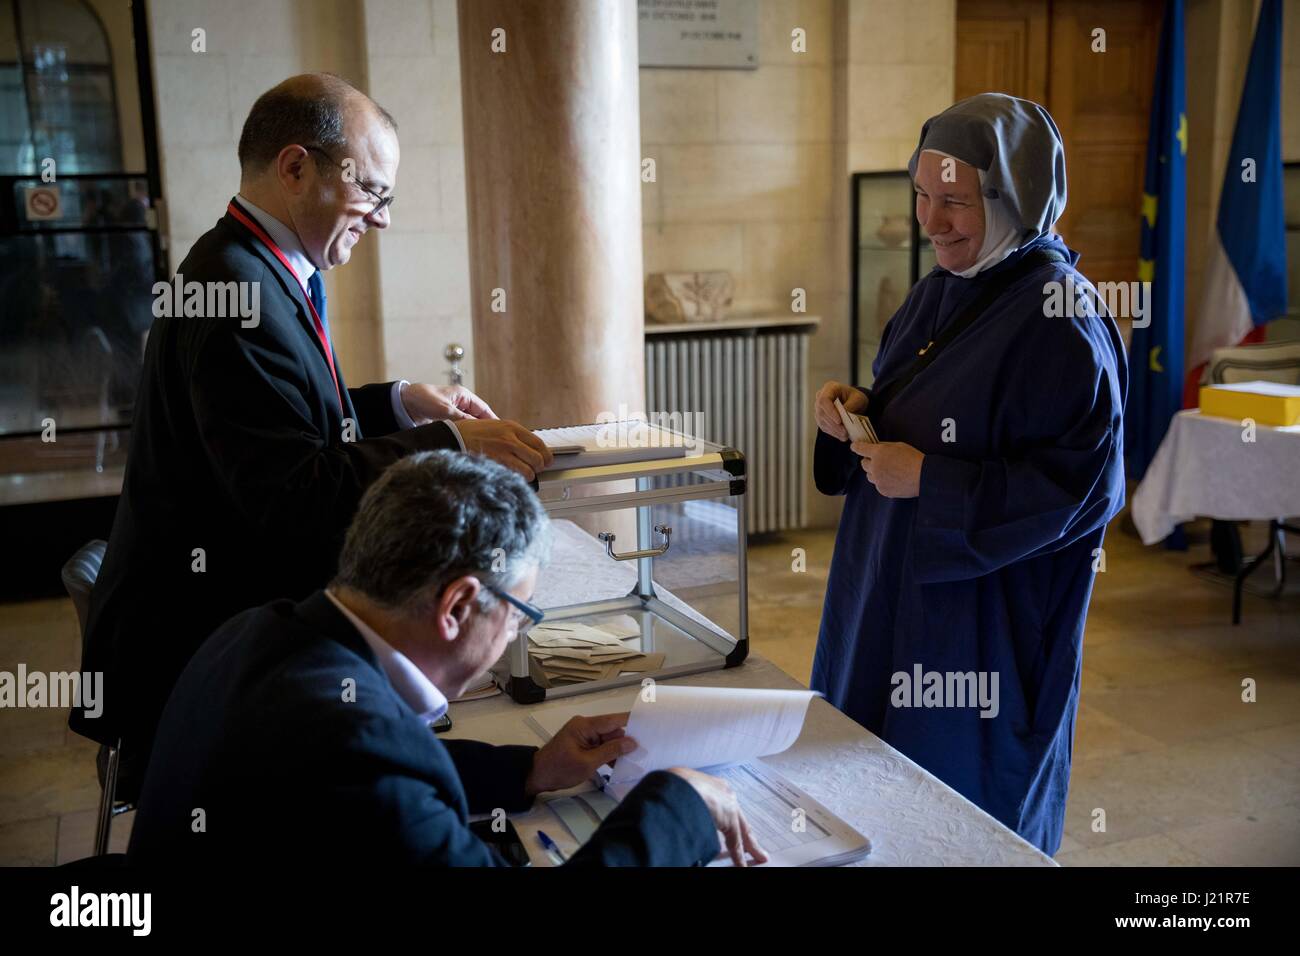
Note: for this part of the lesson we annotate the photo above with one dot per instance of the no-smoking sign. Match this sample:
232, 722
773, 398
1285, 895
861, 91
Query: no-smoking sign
43, 202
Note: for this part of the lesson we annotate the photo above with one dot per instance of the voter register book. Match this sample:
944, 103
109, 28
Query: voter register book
613, 443
723, 731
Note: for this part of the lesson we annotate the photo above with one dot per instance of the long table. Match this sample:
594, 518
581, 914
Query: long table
911, 817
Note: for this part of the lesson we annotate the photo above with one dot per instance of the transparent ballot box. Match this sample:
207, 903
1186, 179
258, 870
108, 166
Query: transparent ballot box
646, 577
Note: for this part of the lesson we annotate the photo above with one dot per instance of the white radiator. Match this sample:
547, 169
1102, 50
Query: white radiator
749, 390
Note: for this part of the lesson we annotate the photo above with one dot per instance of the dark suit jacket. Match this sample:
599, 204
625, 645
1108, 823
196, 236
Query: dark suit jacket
237, 447
257, 735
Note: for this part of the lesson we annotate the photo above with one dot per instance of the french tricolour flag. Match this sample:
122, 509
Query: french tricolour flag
1245, 280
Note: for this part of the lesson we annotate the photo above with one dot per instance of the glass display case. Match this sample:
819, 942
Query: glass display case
889, 255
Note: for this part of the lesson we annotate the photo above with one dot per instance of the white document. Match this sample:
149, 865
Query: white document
707, 726
858, 426
563, 634
1262, 388
724, 731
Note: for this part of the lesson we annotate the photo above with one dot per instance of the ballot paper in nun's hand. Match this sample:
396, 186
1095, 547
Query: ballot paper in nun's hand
858, 426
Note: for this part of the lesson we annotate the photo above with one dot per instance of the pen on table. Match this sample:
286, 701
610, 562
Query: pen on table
550, 845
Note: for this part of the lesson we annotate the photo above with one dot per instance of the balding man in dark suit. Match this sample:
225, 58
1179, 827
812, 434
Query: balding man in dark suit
248, 450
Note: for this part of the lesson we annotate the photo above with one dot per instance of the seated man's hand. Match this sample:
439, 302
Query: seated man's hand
828, 419
727, 817
508, 443
443, 403
572, 755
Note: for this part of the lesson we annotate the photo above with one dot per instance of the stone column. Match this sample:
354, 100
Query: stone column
552, 170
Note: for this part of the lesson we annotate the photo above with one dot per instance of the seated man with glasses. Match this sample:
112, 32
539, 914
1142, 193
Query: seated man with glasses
301, 732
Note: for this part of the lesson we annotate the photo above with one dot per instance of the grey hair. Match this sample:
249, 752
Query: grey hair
306, 110
436, 516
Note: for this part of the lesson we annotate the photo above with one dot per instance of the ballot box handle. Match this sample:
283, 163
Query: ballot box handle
663, 529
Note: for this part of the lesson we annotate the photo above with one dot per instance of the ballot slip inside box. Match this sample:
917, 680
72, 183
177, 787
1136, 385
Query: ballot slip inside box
566, 652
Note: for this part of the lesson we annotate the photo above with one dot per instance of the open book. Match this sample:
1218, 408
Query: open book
613, 443
723, 731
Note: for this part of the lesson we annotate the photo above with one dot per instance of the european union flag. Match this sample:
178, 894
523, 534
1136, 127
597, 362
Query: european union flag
1156, 352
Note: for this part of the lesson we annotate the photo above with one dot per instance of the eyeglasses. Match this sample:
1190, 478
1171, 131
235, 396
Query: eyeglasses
381, 202
523, 610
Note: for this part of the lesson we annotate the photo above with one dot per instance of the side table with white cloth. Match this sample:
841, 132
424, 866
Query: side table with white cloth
1204, 468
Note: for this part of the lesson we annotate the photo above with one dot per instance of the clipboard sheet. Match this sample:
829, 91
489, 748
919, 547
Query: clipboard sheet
790, 825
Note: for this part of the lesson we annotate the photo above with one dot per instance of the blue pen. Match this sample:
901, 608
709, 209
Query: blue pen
550, 845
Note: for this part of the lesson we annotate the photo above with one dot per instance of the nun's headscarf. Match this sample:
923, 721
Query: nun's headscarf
1016, 147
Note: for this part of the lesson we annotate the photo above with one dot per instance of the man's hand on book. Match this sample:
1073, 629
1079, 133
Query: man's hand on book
506, 442
727, 816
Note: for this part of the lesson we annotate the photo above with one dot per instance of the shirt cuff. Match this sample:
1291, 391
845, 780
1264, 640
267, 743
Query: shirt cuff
456, 431
404, 420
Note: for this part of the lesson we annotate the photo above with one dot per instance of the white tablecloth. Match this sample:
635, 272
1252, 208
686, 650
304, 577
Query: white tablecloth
911, 817
1204, 469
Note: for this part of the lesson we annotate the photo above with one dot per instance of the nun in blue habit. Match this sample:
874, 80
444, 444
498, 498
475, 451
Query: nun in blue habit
964, 562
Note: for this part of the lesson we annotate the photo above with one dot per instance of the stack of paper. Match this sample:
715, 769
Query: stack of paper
487, 687
568, 652
858, 426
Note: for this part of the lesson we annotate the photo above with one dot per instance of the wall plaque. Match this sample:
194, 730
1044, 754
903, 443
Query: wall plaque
721, 34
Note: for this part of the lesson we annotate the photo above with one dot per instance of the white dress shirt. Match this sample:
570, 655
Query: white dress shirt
287, 240
408, 680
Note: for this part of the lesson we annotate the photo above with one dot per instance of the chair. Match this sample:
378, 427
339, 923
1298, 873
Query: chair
1266, 362
79, 576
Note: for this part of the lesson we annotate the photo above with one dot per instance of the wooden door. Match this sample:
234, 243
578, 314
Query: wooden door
1002, 48
1100, 101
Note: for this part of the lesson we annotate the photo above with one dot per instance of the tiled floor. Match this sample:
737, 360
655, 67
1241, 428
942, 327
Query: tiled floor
1185, 772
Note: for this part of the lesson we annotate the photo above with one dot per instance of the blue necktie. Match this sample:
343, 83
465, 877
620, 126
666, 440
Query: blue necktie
316, 289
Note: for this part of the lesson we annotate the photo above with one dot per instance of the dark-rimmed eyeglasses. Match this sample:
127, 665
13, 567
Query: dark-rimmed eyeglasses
525, 611
381, 202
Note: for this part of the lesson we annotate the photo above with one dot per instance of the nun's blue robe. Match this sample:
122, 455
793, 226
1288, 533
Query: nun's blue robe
990, 569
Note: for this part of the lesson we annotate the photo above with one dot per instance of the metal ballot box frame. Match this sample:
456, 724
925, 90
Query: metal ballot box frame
691, 641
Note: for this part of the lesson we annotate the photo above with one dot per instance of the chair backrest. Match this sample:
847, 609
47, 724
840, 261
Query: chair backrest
1266, 362
79, 576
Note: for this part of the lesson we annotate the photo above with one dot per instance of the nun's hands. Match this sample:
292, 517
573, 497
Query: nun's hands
893, 467
828, 419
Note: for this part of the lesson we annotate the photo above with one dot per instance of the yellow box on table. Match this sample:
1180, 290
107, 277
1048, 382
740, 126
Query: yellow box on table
1267, 403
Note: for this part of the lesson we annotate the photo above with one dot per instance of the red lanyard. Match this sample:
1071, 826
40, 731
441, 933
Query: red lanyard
266, 240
